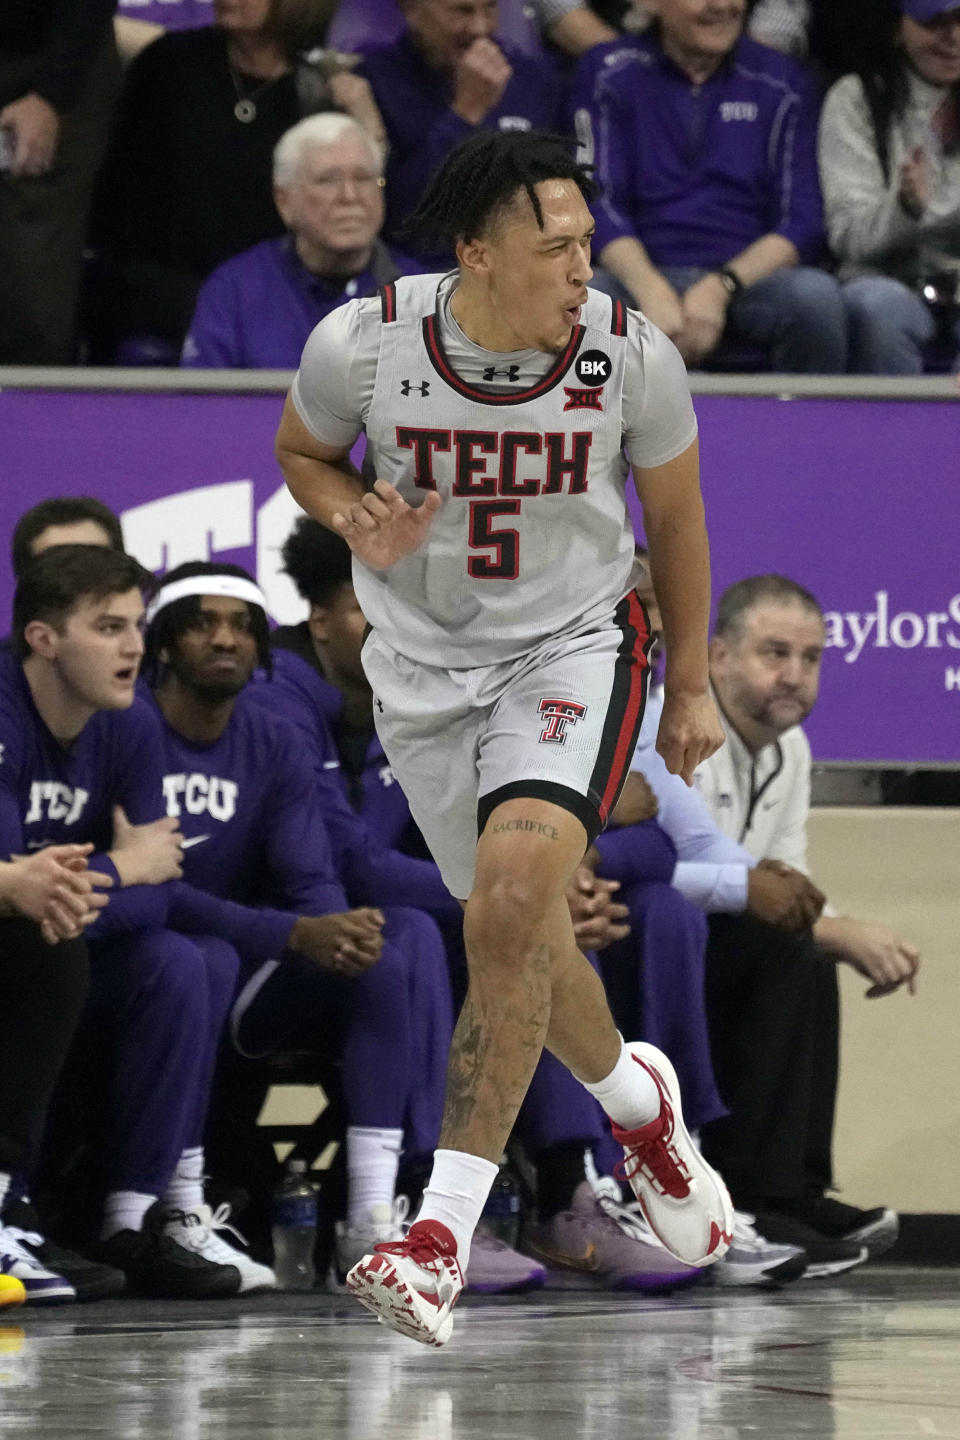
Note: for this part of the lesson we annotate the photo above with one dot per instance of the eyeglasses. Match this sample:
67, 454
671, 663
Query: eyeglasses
330, 180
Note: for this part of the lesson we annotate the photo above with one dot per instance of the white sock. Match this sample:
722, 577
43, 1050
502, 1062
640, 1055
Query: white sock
373, 1158
457, 1192
4, 1188
124, 1210
629, 1094
185, 1191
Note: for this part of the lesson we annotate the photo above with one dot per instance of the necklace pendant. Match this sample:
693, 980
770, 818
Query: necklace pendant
245, 111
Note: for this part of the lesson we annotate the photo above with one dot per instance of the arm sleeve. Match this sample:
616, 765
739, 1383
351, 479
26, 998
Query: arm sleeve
213, 340
713, 888
865, 220
298, 850
332, 389
659, 422
79, 29
136, 783
712, 869
136, 907
797, 204
256, 933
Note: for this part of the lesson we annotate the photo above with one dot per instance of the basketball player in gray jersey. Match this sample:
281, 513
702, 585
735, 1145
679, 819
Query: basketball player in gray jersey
493, 557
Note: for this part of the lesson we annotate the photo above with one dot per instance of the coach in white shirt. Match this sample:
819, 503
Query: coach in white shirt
765, 668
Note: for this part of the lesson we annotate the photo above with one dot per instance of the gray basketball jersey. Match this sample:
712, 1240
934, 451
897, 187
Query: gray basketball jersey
533, 538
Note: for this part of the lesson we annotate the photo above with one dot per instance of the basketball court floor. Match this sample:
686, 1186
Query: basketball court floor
877, 1356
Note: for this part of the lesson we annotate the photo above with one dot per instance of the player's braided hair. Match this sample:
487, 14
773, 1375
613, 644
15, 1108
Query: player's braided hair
482, 176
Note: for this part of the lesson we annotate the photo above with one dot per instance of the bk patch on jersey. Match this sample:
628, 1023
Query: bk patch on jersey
593, 368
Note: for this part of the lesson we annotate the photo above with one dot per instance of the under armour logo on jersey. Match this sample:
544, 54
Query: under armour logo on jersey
406, 386
559, 714
511, 373
583, 399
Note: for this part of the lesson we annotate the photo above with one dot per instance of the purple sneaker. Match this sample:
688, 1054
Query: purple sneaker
495, 1269
601, 1243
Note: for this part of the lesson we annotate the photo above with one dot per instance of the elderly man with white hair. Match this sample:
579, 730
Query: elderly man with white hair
256, 310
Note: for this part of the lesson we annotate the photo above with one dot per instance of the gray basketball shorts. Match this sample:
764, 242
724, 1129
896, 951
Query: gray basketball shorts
559, 723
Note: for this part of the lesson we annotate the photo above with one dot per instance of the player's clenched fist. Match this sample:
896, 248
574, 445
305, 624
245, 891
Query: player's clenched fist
690, 731
382, 528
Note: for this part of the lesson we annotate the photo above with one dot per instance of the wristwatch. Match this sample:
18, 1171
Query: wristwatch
730, 281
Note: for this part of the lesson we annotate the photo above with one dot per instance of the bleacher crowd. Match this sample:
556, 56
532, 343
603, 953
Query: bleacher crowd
780, 179
209, 860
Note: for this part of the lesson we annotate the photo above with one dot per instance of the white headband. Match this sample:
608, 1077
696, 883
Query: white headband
231, 587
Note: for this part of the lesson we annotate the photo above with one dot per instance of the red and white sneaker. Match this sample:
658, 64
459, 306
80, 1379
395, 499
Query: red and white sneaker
684, 1200
412, 1284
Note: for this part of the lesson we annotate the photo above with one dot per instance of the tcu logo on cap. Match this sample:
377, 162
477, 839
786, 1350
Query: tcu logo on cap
593, 368
559, 714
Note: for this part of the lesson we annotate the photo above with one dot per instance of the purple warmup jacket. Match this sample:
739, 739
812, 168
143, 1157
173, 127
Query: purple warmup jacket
254, 833
414, 100
257, 309
367, 819
53, 796
699, 172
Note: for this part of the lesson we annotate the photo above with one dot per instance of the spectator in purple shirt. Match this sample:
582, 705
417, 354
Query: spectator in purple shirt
256, 310
711, 217
444, 79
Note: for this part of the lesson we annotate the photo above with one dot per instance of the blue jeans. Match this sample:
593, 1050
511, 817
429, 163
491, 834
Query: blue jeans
798, 314
889, 326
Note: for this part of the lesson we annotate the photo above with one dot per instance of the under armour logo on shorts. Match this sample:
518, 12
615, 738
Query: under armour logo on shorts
559, 714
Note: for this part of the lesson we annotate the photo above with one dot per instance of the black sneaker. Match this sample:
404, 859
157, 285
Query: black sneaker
90, 1280
157, 1267
877, 1229
824, 1256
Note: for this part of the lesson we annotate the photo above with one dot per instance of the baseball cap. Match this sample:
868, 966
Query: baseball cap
923, 11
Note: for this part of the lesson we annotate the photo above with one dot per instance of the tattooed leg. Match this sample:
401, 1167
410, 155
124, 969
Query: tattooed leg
523, 963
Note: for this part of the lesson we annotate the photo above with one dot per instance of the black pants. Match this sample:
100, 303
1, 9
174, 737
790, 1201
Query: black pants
773, 1010
42, 990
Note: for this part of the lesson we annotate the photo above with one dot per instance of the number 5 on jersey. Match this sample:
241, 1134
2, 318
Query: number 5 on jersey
504, 562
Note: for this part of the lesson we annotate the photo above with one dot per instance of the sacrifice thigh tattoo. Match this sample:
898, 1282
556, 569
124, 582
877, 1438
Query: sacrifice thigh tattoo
533, 827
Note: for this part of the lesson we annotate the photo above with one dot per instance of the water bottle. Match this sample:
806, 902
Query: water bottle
295, 1229
501, 1214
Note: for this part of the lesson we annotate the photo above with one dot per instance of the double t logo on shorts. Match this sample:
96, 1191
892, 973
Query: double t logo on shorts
559, 714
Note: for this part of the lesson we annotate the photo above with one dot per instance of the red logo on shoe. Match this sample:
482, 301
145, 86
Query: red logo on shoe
717, 1236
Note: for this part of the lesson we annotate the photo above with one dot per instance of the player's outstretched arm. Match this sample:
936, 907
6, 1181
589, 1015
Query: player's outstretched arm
676, 533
